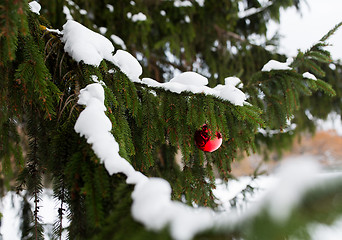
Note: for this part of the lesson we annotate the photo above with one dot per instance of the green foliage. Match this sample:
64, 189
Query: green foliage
12, 22
39, 85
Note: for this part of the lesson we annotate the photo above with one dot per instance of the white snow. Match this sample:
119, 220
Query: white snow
67, 13
253, 10
35, 7
196, 83
296, 176
162, 12
200, 2
10, 206
128, 65
71, 3
190, 78
180, 3
54, 31
233, 95
270, 132
139, 17
95, 126
110, 7
117, 40
309, 76
275, 65
234, 81
103, 30
332, 66
187, 19
326, 232
83, 12
82, 44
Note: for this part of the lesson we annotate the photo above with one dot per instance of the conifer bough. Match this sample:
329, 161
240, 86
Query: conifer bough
144, 122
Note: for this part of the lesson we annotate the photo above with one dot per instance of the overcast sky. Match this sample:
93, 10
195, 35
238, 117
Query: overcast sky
301, 30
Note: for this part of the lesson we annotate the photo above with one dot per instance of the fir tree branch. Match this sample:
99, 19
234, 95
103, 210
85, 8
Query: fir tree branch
331, 32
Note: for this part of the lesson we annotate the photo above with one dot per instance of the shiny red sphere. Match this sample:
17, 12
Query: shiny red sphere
205, 142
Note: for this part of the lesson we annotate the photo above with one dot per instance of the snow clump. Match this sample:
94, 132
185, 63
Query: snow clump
128, 65
35, 7
296, 177
95, 126
196, 83
118, 41
82, 44
309, 76
180, 3
139, 17
275, 65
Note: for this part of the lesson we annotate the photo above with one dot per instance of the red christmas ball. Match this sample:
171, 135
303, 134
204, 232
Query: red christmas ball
205, 142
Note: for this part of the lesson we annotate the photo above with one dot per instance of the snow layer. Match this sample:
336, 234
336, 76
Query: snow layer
128, 65
196, 83
296, 177
54, 31
309, 76
180, 3
275, 65
67, 13
233, 81
139, 17
251, 11
190, 78
200, 2
35, 7
82, 44
95, 126
110, 7
117, 40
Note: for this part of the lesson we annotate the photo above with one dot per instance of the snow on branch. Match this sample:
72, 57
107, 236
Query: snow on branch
35, 7
196, 83
152, 204
95, 126
251, 11
309, 76
82, 44
275, 65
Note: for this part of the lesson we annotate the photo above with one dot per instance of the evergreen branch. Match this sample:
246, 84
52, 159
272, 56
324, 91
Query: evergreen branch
331, 32
224, 34
326, 87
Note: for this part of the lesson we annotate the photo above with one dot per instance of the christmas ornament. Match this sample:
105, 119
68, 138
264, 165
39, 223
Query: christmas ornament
205, 142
